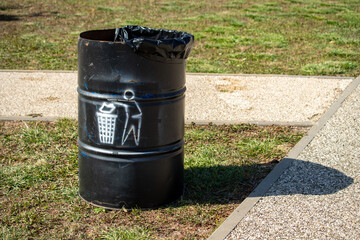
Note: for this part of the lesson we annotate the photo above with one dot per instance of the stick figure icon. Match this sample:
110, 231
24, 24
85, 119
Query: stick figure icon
132, 122
133, 117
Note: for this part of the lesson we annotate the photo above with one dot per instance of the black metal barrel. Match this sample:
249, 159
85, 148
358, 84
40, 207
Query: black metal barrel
131, 124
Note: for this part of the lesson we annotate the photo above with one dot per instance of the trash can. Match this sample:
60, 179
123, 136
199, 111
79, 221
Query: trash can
131, 85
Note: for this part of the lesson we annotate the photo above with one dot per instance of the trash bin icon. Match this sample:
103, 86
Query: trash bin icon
106, 123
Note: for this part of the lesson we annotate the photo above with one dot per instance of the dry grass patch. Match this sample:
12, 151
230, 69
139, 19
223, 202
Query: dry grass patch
313, 37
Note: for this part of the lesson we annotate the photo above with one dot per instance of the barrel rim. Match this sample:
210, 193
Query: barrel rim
84, 36
109, 39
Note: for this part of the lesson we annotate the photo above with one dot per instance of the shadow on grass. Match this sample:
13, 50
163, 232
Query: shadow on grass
225, 184
8, 18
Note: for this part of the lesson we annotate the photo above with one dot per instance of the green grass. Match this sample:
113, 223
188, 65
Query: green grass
329, 68
136, 233
300, 33
39, 182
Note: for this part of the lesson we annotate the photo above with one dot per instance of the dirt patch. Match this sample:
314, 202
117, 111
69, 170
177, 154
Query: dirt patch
230, 85
49, 99
32, 79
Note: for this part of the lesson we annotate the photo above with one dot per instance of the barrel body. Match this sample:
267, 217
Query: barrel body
131, 125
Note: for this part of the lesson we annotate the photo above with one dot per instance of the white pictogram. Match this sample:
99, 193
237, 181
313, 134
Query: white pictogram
132, 120
106, 123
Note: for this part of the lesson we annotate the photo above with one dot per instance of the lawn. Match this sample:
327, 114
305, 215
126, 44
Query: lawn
39, 182
299, 37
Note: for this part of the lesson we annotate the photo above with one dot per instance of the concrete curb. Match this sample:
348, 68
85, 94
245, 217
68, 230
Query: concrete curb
239, 213
195, 74
204, 122
37, 71
259, 123
266, 75
28, 118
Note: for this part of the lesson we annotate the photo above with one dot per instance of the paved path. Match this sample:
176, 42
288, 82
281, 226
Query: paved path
315, 192
209, 98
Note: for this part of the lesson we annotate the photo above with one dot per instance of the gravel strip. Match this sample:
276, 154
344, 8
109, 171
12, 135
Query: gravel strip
318, 196
209, 98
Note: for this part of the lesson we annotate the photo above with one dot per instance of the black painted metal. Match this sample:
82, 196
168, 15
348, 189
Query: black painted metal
131, 124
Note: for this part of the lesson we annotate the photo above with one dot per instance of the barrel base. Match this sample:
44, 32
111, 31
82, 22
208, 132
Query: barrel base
115, 182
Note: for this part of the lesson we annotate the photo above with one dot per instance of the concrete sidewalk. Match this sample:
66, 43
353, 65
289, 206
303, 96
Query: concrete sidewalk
217, 98
314, 193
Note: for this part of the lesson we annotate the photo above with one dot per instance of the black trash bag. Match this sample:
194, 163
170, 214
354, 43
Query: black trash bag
156, 44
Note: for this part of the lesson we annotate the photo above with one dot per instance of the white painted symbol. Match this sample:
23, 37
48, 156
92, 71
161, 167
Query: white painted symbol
106, 123
133, 118
132, 121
